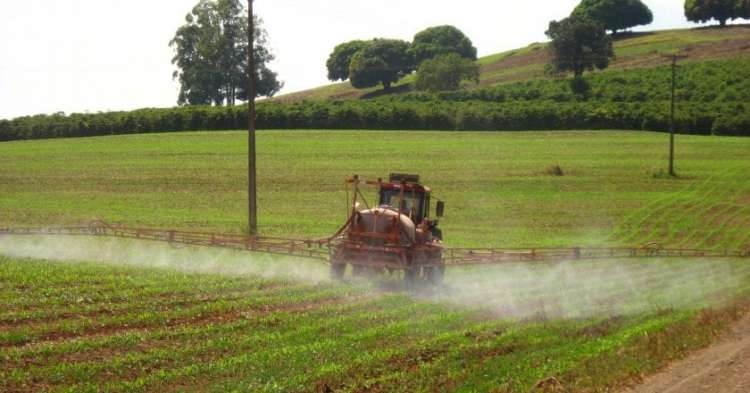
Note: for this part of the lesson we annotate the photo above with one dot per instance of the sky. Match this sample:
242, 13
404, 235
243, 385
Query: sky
100, 55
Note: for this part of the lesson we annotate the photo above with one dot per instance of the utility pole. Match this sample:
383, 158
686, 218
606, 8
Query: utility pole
671, 117
252, 208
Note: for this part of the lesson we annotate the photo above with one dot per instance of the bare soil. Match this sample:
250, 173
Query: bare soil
723, 367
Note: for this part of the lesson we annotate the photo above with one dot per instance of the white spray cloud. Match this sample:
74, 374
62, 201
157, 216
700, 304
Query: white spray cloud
577, 289
112, 251
573, 289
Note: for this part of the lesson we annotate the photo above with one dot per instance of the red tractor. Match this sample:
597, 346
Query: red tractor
397, 234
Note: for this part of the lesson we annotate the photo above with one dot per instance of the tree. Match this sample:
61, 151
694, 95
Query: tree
579, 43
341, 58
439, 40
445, 72
380, 61
616, 14
720, 10
744, 9
211, 55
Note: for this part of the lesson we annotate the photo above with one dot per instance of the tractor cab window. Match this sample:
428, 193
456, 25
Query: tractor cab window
410, 206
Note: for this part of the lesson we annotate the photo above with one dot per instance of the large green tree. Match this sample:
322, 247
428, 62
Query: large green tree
445, 72
211, 55
439, 40
719, 10
341, 58
380, 61
616, 14
579, 43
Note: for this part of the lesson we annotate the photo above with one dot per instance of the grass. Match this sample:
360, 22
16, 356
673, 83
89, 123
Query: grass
496, 185
637, 50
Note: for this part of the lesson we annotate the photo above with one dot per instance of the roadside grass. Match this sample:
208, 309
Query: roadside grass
246, 334
496, 185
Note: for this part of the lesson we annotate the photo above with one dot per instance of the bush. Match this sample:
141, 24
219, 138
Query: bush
732, 125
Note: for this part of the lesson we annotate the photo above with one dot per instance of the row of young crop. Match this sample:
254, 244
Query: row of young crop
725, 81
390, 114
712, 98
387, 341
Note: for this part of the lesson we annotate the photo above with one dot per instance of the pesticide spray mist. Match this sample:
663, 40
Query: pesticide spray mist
120, 252
594, 288
574, 289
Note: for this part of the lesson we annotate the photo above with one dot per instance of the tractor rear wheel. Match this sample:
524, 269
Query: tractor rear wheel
337, 271
410, 277
434, 274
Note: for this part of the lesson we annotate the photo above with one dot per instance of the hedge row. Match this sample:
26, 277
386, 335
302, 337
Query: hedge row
716, 118
720, 81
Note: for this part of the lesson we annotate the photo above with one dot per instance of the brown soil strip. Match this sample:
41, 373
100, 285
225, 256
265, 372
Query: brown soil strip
202, 320
172, 301
222, 317
723, 367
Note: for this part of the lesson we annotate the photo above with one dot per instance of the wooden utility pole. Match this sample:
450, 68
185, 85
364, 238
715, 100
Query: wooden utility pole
252, 208
671, 116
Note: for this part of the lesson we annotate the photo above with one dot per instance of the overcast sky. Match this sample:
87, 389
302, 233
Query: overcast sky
99, 55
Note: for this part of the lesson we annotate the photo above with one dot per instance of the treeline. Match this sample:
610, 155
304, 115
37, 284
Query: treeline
714, 98
716, 118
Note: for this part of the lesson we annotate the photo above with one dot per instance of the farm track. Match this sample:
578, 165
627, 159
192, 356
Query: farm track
722, 367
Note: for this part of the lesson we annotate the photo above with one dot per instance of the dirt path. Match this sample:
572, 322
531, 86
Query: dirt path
723, 367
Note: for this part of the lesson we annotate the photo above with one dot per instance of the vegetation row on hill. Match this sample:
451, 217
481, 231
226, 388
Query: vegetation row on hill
712, 99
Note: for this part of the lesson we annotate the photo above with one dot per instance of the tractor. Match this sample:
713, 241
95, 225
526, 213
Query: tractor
397, 234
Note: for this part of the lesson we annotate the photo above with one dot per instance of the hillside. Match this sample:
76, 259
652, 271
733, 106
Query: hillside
635, 50
514, 94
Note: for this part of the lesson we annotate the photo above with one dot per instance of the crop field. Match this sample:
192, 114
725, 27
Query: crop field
93, 314
121, 324
498, 187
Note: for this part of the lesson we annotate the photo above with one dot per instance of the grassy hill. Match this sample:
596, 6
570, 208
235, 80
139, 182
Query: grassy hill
635, 50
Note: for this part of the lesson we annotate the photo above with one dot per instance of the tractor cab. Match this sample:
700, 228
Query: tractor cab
404, 194
397, 234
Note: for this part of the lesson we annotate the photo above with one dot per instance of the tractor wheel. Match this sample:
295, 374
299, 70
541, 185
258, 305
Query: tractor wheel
410, 278
337, 271
358, 271
434, 275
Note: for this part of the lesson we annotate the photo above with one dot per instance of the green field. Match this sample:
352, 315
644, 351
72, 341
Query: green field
496, 185
136, 316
